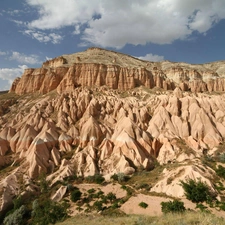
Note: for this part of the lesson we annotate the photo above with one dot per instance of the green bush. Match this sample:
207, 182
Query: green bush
143, 205
220, 171
17, 217
99, 194
222, 157
98, 205
143, 186
91, 191
202, 207
75, 195
97, 178
128, 189
115, 205
114, 177
196, 191
111, 197
48, 212
122, 177
221, 205
172, 206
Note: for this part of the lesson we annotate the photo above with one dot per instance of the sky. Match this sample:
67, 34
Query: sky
33, 31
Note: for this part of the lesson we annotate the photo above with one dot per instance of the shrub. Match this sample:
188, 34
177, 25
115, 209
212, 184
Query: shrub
98, 205
143, 205
122, 177
111, 197
196, 191
44, 184
99, 194
91, 191
202, 207
104, 199
172, 206
114, 177
221, 205
75, 195
115, 205
220, 171
48, 212
222, 157
97, 178
16, 217
143, 186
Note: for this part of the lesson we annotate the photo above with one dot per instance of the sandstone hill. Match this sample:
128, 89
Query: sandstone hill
102, 112
98, 67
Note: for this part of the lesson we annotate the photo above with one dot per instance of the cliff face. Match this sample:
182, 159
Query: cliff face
98, 67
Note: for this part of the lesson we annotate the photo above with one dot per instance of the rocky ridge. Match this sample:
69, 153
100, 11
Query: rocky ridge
99, 67
83, 131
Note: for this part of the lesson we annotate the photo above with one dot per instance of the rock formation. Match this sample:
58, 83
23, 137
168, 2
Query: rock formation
107, 113
99, 67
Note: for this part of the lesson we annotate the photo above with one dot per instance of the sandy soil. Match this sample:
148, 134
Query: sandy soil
114, 188
132, 207
154, 207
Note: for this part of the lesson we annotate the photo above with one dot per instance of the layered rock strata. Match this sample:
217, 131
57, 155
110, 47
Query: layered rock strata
98, 67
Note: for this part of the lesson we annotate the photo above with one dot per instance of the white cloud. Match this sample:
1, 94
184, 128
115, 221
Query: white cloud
44, 37
59, 13
9, 74
14, 12
3, 53
18, 22
22, 58
152, 58
77, 29
120, 22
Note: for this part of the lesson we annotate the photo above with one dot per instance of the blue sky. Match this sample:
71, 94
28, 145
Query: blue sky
33, 31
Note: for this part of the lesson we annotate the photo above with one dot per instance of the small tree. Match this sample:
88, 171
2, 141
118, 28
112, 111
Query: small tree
75, 195
111, 197
172, 206
196, 191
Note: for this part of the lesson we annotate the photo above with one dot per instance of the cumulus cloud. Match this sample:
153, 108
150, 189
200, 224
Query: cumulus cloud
22, 58
59, 13
9, 74
119, 22
152, 58
44, 37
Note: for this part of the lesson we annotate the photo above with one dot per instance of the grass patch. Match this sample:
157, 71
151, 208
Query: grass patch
186, 218
145, 177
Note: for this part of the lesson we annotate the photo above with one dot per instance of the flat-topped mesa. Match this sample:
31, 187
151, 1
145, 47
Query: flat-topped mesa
98, 67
